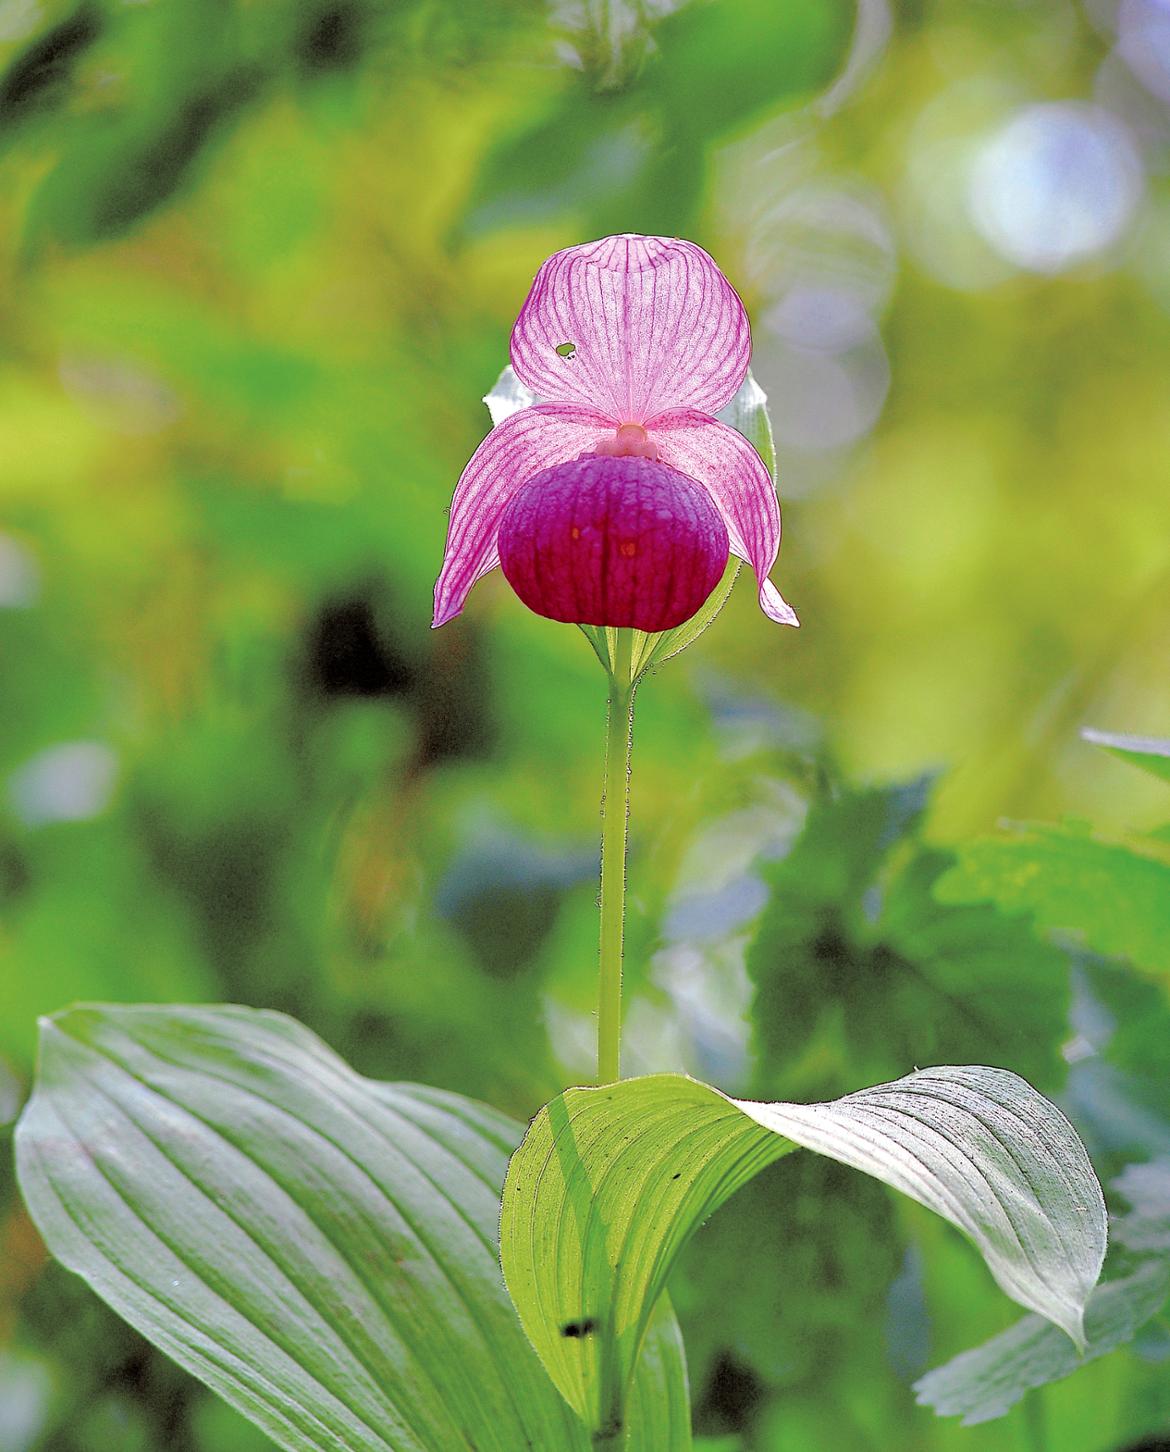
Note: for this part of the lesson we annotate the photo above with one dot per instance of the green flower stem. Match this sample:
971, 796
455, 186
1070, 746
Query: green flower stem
615, 809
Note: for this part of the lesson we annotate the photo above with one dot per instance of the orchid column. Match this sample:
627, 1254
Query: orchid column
614, 499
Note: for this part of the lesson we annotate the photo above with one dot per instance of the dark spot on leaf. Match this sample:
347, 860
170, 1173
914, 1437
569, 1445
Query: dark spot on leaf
608, 1432
675, 1177
566, 350
576, 1329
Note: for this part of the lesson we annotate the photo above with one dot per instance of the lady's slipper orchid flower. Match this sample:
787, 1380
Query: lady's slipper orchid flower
616, 498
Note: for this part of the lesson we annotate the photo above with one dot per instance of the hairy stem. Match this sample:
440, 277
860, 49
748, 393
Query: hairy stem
615, 806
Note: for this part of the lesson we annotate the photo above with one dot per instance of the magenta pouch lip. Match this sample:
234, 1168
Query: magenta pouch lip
613, 541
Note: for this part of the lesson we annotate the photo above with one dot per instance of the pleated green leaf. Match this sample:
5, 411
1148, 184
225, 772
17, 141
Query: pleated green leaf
318, 1248
610, 1182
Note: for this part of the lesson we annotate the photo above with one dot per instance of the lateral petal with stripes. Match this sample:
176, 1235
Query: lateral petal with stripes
734, 475
523, 445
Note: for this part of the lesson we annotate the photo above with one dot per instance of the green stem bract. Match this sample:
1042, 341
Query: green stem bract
615, 806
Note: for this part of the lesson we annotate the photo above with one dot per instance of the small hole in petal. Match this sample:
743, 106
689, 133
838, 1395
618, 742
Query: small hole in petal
566, 350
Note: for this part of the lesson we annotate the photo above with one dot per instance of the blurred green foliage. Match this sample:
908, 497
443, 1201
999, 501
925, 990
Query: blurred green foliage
259, 265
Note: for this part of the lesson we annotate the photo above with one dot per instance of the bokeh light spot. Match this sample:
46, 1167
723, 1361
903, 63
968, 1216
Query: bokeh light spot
1059, 183
72, 782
